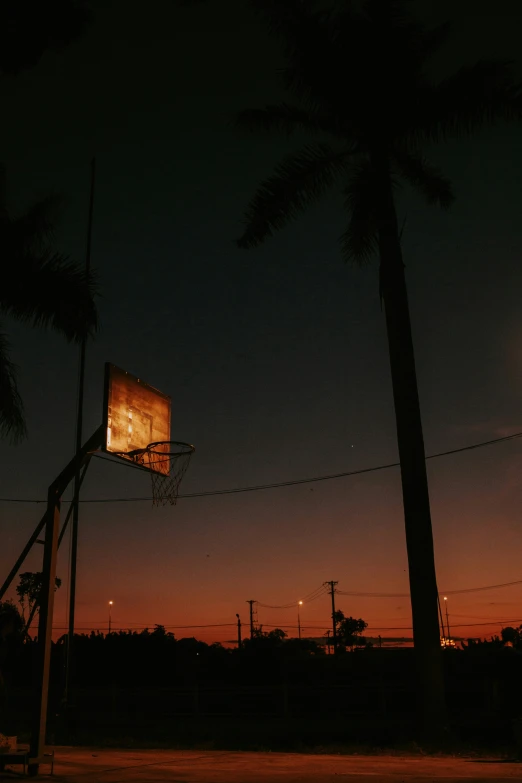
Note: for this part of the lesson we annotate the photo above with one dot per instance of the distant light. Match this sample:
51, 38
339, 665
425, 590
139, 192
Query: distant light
445, 598
300, 603
111, 603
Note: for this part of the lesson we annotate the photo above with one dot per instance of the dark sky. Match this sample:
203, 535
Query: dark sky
276, 358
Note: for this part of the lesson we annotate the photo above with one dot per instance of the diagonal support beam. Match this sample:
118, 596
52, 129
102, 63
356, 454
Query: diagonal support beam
25, 551
33, 539
36, 604
45, 624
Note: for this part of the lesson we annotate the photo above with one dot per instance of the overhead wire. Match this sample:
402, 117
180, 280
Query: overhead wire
317, 593
393, 628
453, 625
461, 591
274, 485
130, 627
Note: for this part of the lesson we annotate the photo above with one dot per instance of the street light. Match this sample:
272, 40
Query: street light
110, 610
299, 618
447, 618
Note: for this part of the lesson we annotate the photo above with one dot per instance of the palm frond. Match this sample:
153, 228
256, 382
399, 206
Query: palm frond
393, 24
48, 290
481, 94
286, 118
401, 39
36, 226
12, 423
394, 13
291, 20
299, 180
427, 179
308, 31
359, 243
432, 40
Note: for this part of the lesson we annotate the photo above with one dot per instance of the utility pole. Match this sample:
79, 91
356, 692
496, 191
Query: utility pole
251, 603
238, 632
331, 590
443, 632
447, 618
328, 642
77, 478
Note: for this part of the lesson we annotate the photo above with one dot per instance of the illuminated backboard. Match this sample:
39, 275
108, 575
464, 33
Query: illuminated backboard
135, 414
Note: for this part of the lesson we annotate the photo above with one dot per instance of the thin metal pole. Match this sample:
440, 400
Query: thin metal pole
238, 632
45, 627
77, 479
36, 604
52, 527
441, 617
71, 507
447, 618
32, 540
25, 551
298, 621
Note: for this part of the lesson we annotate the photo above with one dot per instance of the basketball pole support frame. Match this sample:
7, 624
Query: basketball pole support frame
33, 539
51, 520
36, 605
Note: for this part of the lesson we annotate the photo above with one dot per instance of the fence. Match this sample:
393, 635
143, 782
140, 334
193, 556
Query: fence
290, 701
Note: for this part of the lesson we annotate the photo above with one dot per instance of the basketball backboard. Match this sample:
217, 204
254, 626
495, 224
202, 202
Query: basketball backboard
135, 415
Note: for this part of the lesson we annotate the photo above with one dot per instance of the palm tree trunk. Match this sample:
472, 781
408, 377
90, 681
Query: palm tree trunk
417, 516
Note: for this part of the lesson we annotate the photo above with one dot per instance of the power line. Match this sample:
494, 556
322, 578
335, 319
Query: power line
453, 625
445, 592
317, 593
499, 621
320, 591
146, 627
275, 485
374, 595
314, 594
396, 628
479, 589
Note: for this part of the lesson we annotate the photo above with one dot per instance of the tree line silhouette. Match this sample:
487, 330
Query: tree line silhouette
155, 656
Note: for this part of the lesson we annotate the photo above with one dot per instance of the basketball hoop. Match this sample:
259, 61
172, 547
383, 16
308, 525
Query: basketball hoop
167, 461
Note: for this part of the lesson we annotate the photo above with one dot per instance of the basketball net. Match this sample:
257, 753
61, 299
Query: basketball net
167, 469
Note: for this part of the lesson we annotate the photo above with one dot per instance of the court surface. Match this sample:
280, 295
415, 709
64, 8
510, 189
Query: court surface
79, 765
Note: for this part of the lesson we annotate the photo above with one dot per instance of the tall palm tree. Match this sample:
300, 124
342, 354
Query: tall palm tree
37, 285
40, 287
357, 72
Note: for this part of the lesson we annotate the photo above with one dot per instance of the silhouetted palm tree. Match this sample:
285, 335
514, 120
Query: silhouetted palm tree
37, 285
358, 75
40, 287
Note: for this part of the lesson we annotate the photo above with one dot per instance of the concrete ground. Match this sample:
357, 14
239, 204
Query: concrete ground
86, 765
